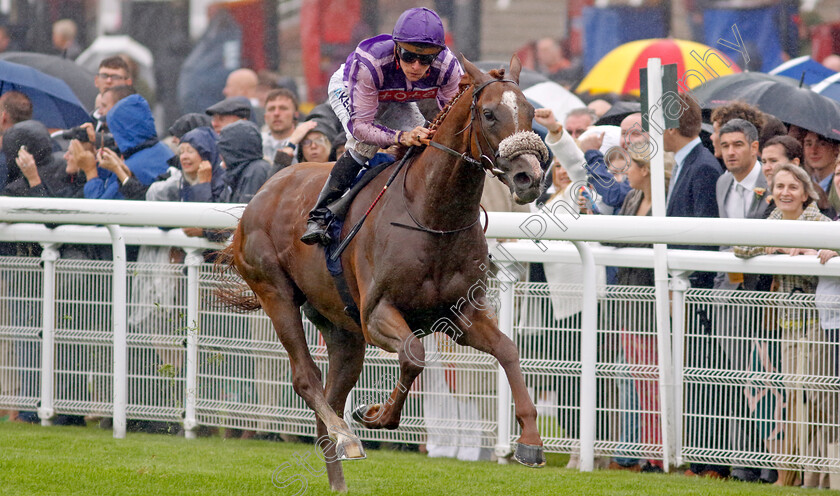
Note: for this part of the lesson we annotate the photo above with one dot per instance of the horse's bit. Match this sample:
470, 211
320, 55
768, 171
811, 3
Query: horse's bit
473, 117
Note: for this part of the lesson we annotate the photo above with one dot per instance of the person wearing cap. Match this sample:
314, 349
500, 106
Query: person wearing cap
228, 111
316, 146
374, 93
187, 123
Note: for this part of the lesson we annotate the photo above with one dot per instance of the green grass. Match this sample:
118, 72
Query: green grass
37, 460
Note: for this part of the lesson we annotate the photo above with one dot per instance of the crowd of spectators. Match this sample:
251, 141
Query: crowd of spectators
755, 167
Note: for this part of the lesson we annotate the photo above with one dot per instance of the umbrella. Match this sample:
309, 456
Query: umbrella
778, 96
79, 79
622, 109
108, 45
618, 112
618, 71
53, 103
803, 68
538, 88
725, 89
829, 87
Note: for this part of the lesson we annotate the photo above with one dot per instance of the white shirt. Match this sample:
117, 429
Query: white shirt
739, 200
828, 302
271, 145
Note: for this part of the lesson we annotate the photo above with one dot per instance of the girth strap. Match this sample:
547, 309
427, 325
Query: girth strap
350, 308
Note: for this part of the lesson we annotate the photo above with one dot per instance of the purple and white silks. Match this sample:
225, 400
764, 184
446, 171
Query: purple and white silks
365, 88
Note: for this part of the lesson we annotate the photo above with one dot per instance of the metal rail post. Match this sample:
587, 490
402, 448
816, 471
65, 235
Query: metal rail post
679, 285
120, 331
46, 408
588, 359
193, 260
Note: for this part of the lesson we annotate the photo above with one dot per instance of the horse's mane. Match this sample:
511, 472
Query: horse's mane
463, 86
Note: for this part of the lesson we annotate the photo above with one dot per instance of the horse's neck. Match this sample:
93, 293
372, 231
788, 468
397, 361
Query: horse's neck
452, 186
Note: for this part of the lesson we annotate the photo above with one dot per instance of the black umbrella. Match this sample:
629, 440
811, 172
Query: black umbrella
618, 112
79, 79
775, 95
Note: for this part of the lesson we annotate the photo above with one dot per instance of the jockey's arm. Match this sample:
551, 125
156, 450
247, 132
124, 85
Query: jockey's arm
364, 102
450, 78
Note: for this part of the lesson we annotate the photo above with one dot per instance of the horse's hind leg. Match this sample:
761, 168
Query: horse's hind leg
346, 357
306, 377
388, 330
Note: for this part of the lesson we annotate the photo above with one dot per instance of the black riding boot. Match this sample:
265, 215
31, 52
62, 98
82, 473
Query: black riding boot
342, 174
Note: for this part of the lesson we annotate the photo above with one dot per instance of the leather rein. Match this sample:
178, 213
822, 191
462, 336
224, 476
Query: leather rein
490, 166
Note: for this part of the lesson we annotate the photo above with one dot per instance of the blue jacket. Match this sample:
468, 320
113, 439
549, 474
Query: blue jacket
133, 127
613, 192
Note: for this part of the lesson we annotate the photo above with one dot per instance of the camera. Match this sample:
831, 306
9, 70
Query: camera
101, 140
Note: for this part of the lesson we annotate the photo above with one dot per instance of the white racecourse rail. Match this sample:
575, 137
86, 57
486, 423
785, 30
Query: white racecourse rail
146, 341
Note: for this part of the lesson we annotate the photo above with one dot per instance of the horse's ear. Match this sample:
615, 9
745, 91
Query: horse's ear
515, 68
474, 73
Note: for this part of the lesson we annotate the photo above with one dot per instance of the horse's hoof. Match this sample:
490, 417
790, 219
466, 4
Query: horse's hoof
351, 451
359, 413
530, 456
367, 415
349, 448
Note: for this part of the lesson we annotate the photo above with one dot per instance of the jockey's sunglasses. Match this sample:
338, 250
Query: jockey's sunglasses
409, 57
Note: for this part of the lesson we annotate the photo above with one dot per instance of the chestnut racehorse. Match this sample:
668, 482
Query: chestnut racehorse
400, 278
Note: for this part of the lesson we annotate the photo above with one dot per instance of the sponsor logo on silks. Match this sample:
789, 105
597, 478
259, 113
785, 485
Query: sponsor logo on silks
343, 98
406, 96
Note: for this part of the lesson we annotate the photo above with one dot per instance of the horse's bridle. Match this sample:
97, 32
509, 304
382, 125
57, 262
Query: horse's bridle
466, 158
491, 163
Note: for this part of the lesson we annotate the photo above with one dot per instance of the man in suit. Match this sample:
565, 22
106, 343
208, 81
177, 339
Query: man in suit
691, 193
742, 189
741, 194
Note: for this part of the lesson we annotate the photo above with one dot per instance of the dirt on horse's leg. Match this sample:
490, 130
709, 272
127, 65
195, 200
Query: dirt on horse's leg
306, 376
484, 335
388, 330
346, 356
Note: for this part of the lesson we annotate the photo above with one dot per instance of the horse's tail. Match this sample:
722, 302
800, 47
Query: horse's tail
233, 292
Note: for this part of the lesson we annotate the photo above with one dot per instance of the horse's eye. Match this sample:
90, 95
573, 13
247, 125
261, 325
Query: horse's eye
488, 114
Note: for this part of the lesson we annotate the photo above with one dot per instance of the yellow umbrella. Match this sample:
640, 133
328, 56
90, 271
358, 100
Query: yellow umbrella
618, 71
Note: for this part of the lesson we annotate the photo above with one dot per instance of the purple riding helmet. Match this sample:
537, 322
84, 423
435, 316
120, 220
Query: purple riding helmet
419, 25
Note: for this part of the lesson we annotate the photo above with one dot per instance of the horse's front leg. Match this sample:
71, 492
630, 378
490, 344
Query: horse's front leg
387, 329
484, 335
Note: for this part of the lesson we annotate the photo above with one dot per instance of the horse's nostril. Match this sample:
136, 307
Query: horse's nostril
522, 180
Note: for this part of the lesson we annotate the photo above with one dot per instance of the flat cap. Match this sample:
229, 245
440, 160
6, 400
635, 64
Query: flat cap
238, 106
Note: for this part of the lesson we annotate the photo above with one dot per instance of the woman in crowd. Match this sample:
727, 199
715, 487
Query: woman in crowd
638, 332
316, 146
802, 343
